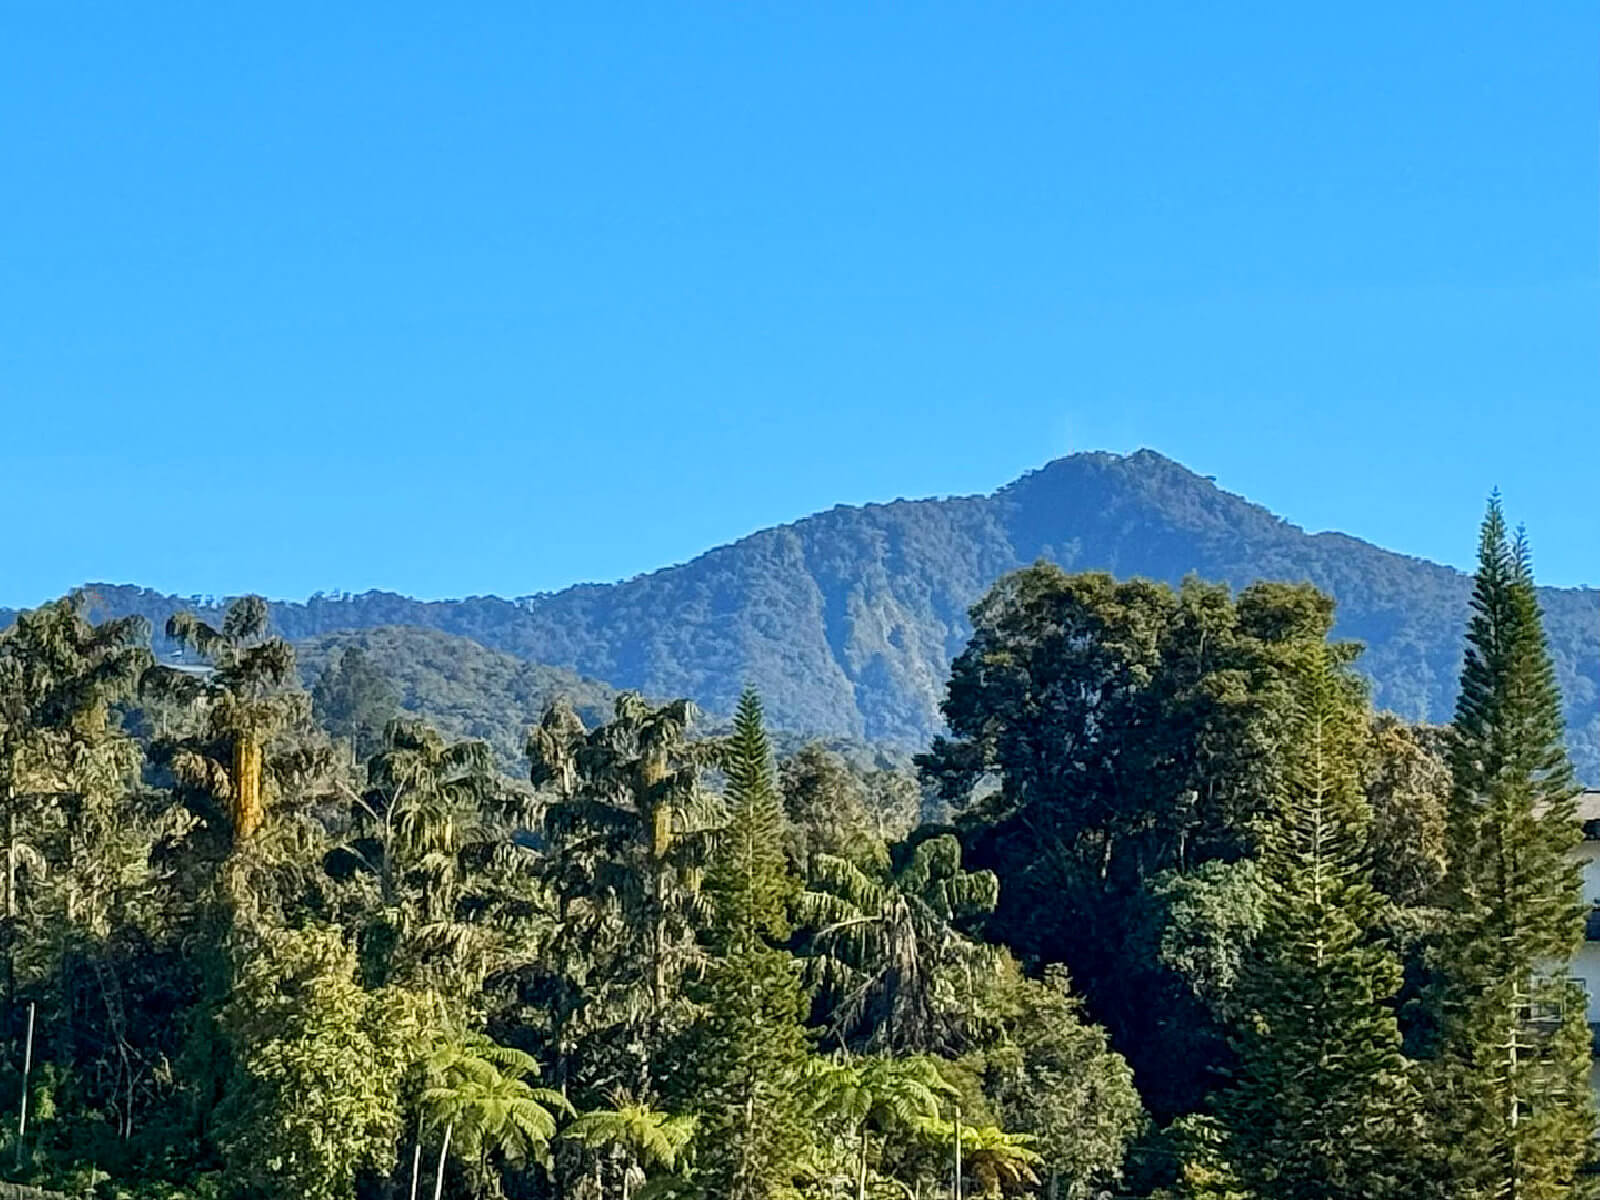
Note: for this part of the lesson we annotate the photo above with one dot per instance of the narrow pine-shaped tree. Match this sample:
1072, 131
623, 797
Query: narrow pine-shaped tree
1322, 1106
1514, 1116
753, 1132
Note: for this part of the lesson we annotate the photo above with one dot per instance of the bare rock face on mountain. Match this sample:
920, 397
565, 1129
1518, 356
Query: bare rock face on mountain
847, 620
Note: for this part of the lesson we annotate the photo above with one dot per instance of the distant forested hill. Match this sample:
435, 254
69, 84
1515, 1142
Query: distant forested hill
463, 689
847, 620
466, 690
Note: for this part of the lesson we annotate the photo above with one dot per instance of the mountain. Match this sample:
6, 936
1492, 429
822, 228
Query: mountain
847, 620
466, 690
463, 689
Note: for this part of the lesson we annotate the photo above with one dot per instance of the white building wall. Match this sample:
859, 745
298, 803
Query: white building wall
1586, 967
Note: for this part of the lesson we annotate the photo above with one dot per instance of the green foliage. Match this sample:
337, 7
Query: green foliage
443, 894
752, 1044
646, 1139
79, 894
1002, 1164
1049, 1074
1134, 730
1322, 1106
243, 759
1204, 925
626, 828
476, 1094
856, 1099
1512, 1102
889, 963
1199, 1144
315, 1098
1408, 788
65, 767
262, 967
826, 806
749, 878
354, 700
462, 688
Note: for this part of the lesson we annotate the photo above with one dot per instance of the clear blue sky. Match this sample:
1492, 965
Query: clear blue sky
499, 297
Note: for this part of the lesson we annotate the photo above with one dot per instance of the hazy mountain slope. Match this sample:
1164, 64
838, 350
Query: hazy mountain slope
847, 620
466, 690
463, 689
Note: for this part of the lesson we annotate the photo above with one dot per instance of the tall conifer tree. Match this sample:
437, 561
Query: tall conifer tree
1514, 1112
755, 1134
1322, 1104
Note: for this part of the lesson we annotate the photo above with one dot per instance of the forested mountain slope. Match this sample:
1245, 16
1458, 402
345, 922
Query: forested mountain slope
461, 688
466, 690
847, 620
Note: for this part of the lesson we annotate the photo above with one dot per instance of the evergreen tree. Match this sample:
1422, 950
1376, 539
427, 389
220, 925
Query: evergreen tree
1133, 730
755, 1131
1322, 1103
63, 761
1514, 1111
76, 890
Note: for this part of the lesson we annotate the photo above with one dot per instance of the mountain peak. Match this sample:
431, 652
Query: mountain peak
1140, 467
847, 620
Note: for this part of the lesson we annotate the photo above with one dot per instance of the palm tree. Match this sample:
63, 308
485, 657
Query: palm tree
879, 945
251, 753
477, 1091
646, 1137
627, 831
250, 693
1002, 1163
432, 847
882, 1093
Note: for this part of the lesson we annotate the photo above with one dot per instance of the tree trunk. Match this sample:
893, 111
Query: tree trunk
22, 1112
652, 771
247, 810
11, 900
957, 1185
861, 1167
438, 1180
11, 863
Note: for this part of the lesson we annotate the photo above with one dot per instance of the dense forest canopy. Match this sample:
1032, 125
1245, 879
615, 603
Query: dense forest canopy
1170, 910
848, 621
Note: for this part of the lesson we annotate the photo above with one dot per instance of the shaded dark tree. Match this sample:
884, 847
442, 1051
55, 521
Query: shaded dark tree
1132, 730
355, 701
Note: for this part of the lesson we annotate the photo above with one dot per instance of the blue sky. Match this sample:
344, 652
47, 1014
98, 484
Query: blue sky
500, 297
